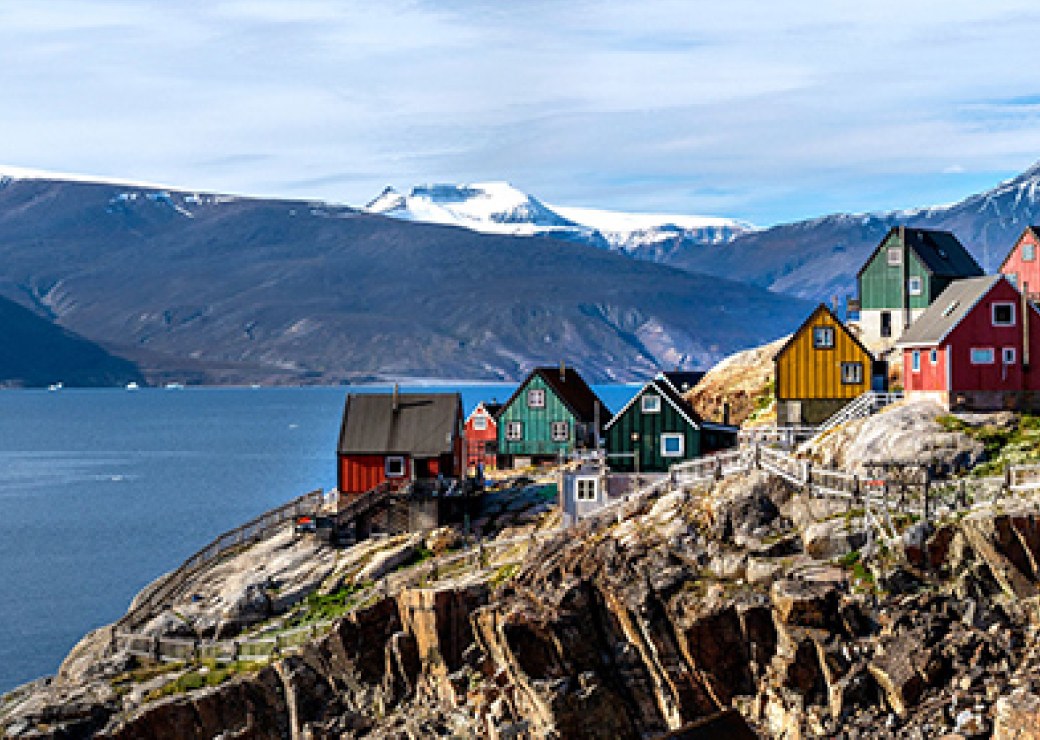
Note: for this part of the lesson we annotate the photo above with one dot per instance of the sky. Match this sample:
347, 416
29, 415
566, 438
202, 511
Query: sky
763, 111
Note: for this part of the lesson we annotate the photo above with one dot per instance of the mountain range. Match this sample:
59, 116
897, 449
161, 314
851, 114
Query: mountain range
203, 288
815, 259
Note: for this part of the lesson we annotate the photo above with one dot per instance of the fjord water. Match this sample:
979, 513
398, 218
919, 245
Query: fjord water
102, 491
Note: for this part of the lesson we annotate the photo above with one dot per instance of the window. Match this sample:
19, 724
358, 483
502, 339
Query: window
536, 398
480, 423
561, 431
886, 324
1013, 278
514, 431
395, 467
1003, 314
895, 256
673, 445
913, 286
915, 360
651, 404
1008, 355
585, 489
823, 337
981, 356
851, 373
1028, 252
933, 356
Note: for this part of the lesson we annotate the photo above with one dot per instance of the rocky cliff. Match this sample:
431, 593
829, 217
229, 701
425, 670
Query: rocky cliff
633, 624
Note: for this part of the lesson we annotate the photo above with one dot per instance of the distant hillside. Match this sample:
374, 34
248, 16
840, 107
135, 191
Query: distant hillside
36, 353
818, 259
222, 289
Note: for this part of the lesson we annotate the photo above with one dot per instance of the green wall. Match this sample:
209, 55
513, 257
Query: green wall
650, 427
880, 284
537, 423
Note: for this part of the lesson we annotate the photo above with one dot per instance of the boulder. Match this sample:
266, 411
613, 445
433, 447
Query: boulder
442, 539
806, 603
1017, 717
833, 538
389, 560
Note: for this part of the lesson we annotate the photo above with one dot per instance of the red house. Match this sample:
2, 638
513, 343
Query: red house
971, 348
482, 435
399, 437
1022, 266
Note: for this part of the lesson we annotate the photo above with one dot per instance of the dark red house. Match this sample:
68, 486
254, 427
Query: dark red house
1022, 264
399, 437
482, 435
972, 348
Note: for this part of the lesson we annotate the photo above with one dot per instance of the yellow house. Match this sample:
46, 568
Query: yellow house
822, 367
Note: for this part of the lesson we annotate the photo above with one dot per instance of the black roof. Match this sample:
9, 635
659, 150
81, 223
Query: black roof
572, 389
493, 408
663, 385
939, 251
419, 424
684, 380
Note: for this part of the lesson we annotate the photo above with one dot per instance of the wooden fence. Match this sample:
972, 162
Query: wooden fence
163, 592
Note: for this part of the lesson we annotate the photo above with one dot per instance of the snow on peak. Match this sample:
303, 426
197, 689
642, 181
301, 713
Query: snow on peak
500, 208
25, 173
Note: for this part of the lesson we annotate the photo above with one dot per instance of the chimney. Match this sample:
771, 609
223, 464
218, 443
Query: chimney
563, 371
396, 399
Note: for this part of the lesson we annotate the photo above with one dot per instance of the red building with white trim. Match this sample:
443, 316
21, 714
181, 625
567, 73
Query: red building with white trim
482, 435
399, 438
972, 348
1022, 264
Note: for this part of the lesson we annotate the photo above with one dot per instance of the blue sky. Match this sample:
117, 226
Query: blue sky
767, 112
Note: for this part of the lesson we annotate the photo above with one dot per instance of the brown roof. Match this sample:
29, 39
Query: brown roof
421, 424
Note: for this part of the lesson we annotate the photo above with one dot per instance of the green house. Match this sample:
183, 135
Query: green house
658, 429
903, 276
553, 411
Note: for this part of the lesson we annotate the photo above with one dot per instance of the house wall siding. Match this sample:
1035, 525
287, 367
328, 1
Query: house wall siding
880, 284
537, 422
361, 473
650, 427
1026, 272
804, 372
929, 377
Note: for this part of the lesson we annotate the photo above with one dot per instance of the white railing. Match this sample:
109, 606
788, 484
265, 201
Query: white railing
788, 437
860, 407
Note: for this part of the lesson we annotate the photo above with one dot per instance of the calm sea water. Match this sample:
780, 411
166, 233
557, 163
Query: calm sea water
101, 491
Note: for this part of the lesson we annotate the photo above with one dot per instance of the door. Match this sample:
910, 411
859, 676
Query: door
886, 323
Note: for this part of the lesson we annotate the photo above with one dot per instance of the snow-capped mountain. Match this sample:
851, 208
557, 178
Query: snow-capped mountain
499, 208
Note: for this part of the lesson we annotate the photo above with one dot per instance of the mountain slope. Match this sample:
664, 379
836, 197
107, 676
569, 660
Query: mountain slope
819, 258
317, 293
36, 353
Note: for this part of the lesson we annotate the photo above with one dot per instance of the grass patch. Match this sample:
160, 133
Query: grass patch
318, 607
210, 674
503, 574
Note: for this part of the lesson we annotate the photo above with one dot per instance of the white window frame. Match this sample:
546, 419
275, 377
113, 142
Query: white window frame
1007, 355
400, 461
933, 356
557, 435
514, 431
859, 366
993, 313
1032, 252
669, 436
915, 361
915, 286
479, 423
974, 361
582, 488
536, 398
895, 256
825, 331
654, 405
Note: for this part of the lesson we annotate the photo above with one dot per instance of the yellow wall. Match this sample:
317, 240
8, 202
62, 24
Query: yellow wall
804, 372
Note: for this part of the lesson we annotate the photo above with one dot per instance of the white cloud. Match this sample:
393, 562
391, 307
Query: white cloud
768, 110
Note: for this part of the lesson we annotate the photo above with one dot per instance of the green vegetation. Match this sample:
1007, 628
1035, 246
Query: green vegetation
209, 674
503, 574
318, 607
1005, 446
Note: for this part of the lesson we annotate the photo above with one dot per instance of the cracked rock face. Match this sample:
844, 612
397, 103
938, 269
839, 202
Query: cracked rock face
629, 629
